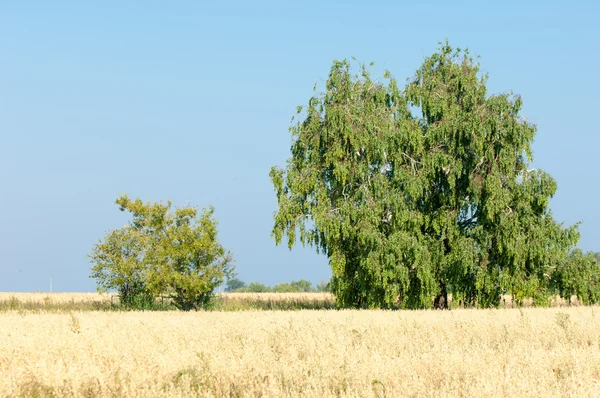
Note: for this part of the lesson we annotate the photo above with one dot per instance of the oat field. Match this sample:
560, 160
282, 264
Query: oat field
484, 353
106, 297
224, 301
62, 302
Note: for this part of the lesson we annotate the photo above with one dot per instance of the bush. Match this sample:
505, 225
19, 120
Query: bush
323, 287
255, 287
162, 252
234, 284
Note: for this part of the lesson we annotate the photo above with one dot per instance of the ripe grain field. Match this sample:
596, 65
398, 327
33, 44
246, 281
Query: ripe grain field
507, 352
222, 302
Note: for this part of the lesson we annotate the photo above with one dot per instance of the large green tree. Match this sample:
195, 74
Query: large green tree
163, 252
420, 191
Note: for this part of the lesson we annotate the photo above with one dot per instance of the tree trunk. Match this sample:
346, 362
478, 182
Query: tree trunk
441, 301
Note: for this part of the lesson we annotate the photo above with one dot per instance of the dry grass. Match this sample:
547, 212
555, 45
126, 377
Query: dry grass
274, 301
55, 301
57, 297
97, 297
229, 301
510, 352
61, 302
280, 296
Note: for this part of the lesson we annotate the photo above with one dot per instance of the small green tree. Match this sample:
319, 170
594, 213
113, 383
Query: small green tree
284, 288
255, 287
164, 252
302, 286
234, 284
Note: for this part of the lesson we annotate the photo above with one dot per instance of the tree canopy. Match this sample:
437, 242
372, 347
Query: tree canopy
162, 252
302, 286
579, 276
234, 284
415, 192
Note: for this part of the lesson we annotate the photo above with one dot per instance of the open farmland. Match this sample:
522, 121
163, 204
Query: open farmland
224, 301
109, 301
509, 352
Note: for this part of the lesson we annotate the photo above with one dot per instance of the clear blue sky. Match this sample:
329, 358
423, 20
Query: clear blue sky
191, 101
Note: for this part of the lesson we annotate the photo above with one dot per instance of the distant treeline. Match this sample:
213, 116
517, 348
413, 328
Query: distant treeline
302, 286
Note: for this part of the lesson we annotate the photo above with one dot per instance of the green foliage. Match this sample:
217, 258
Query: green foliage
255, 287
323, 287
579, 276
143, 303
284, 288
294, 287
410, 207
119, 265
302, 286
234, 284
162, 251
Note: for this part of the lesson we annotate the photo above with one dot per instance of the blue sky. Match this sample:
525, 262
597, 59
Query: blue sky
191, 101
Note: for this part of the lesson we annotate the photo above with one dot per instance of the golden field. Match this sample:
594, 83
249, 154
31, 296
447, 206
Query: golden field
104, 302
56, 297
224, 301
488, 353
106, 297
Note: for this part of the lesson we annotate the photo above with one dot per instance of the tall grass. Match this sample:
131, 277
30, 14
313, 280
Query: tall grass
65, 302
551, 352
